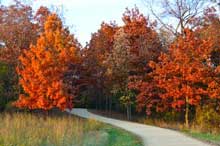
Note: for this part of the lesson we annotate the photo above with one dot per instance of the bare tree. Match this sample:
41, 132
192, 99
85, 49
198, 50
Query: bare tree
180, 11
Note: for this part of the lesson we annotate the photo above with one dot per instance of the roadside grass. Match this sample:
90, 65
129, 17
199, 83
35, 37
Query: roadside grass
26, 129
195, 130
125, 138
192, 131
207, 137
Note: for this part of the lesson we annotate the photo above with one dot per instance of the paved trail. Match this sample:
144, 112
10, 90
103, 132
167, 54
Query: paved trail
151, 136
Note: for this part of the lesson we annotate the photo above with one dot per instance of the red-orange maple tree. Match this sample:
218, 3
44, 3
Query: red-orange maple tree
41, 17
95, 56
44, 65
143, 39
210, 28
17, 31
181, 75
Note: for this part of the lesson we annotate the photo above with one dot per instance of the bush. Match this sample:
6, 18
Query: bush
207, 119
172, 116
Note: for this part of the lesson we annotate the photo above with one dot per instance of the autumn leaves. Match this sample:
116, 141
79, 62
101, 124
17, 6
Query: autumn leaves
183, 74
43, 66
127, 65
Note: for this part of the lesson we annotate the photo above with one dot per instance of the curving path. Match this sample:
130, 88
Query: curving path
151, 136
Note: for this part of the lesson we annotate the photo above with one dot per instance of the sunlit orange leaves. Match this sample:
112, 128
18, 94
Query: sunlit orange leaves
184, 71
44, 65
180, 77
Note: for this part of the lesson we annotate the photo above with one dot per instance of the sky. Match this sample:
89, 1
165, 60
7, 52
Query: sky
84, 17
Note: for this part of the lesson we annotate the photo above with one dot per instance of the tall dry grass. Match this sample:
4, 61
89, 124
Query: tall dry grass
24, 129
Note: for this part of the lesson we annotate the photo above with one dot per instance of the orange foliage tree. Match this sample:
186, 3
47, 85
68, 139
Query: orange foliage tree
95, 56
44, 65
210, 28
144, 46
40, 17
180, 75
17, 32
143, 39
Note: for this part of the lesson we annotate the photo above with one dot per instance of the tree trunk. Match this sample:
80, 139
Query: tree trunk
127, 112
100, 101
187, 113
106, 103
110, 105
96, 103
130, 112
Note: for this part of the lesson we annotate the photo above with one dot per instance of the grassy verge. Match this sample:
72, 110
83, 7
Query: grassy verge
25, 129
119, 137
207, 137
192, 131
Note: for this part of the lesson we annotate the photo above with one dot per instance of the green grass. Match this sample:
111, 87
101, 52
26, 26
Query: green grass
119, 137
193, 131
25, 129
208, 137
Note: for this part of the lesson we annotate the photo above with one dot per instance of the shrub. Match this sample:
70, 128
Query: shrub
207, 119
